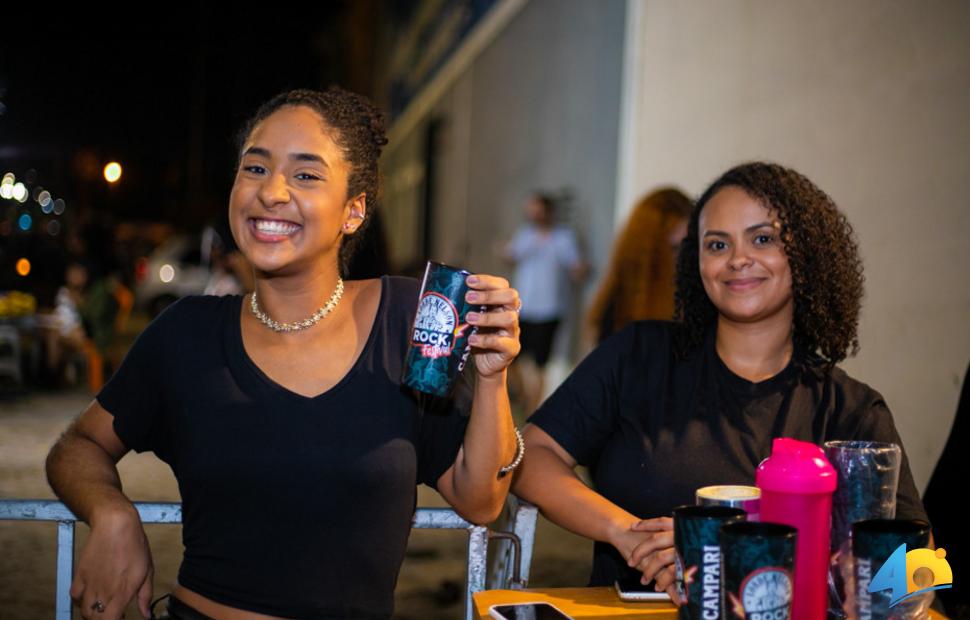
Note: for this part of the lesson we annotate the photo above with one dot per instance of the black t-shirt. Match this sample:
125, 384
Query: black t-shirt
653, 428
292, 506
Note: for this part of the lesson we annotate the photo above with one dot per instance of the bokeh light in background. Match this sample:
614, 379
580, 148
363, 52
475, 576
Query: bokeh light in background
23, 267
53, 228
59, 206
25, 222
45, 202
6, 186
166, 273
19, 192
112, 172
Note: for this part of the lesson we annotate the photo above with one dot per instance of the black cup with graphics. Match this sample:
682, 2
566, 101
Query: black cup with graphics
699, 557
873, 544
759, 567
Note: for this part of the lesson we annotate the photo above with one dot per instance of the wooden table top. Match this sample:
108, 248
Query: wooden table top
576, 602
584, 603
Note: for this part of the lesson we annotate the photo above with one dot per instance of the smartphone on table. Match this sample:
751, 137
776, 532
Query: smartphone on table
526, 611
634, 591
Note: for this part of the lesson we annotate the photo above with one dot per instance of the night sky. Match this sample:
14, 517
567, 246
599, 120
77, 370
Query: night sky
163, 95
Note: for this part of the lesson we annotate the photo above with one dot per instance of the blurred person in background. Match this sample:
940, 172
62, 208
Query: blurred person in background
547, 263
62, 328
82, 326
639, 283
282, 414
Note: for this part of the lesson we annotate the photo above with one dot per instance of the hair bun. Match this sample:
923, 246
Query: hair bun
370, 115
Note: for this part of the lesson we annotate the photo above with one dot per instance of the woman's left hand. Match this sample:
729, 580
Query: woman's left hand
655, 556
496, 342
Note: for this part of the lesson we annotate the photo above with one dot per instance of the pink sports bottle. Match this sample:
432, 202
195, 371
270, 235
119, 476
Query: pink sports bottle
797, 484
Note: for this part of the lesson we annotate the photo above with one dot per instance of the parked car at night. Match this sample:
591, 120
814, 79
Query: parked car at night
174, 269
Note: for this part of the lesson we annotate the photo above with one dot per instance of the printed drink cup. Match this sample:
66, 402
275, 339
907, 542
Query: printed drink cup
439, 345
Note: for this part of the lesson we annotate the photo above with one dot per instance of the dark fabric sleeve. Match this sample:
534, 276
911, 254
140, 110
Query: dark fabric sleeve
583, 412
875, 423
443, 424
133, 395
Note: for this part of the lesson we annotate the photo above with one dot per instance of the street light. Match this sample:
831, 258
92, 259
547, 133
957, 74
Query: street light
112, 172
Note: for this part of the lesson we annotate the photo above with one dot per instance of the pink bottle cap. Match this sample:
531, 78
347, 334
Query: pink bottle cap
796, 467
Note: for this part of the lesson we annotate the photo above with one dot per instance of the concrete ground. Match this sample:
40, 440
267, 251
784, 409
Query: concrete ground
431, 580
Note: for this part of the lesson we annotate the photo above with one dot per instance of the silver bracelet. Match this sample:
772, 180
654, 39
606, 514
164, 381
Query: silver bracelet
519, 453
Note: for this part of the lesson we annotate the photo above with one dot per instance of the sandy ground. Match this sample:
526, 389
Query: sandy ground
431, 580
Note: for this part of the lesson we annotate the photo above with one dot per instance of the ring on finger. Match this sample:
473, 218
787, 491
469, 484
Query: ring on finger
98, 606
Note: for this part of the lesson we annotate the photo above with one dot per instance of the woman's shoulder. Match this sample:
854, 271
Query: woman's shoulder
856, 410
191, 314
640, 342
189, 328
844, 385
653, 327
198, 307
400, 294
653, 334
854, 389
850, 400
401, 284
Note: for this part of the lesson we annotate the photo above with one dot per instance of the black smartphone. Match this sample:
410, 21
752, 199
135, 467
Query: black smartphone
633, 590
526, 611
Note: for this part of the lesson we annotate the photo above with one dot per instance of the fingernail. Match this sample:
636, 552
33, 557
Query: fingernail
472, 280
473, 317
472, 297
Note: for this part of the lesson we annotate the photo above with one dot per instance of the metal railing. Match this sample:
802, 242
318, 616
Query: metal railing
513, 544
155, 512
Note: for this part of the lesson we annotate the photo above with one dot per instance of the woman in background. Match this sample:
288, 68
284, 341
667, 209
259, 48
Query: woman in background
639, 283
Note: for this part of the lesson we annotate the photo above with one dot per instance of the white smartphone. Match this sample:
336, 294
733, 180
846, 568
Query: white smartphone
634, 591
526, 611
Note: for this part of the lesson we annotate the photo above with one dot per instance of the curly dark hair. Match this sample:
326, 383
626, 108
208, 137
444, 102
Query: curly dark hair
359, 132
827, 280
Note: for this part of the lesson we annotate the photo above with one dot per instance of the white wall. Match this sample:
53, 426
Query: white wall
871, 100
538, 108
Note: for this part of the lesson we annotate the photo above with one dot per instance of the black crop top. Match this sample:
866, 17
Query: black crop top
292, 506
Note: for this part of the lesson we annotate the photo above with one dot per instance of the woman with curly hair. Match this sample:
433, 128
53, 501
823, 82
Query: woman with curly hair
769, 285
282, 414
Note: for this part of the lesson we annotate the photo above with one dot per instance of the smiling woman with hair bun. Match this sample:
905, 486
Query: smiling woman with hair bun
282, 413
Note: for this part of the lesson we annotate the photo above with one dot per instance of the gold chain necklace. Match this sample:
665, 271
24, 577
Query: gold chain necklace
296, 326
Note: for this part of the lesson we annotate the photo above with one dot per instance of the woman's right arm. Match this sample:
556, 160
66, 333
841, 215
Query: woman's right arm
115, 564
548, 479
